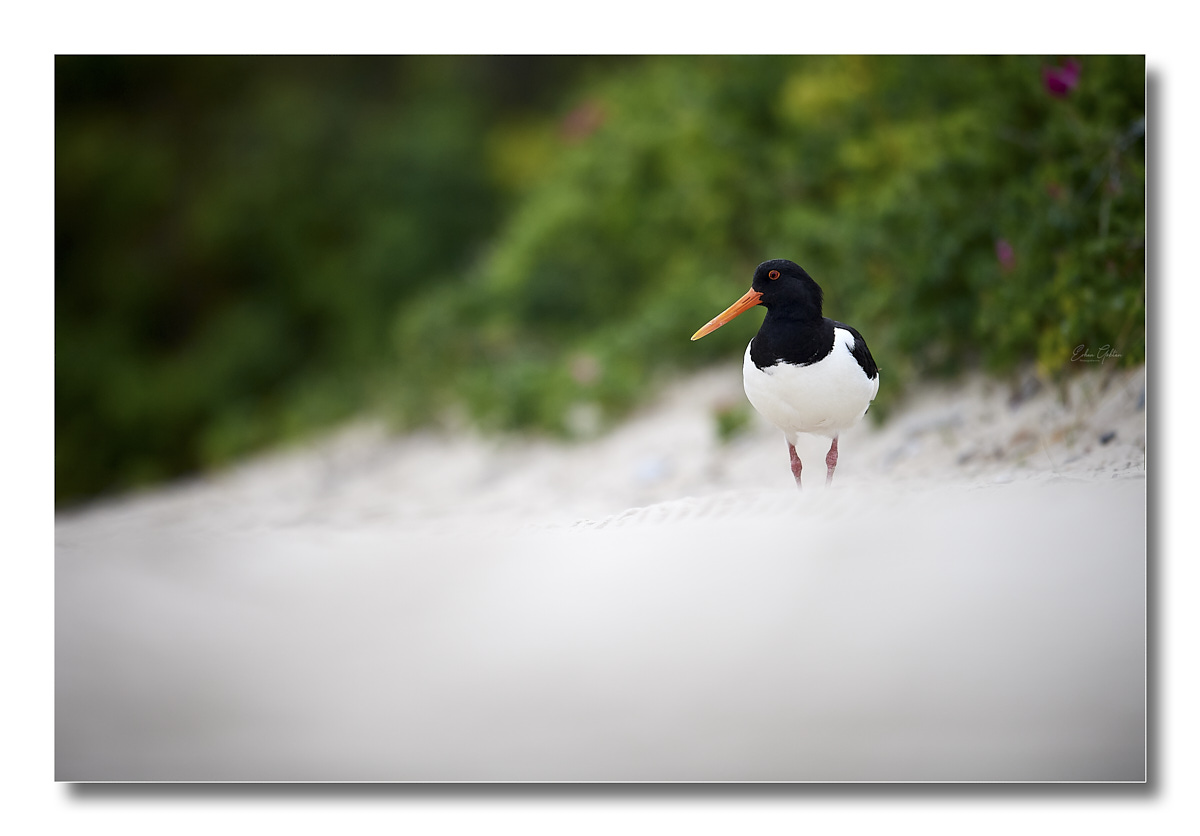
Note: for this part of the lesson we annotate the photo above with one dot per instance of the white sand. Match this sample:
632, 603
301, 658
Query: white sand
967, 603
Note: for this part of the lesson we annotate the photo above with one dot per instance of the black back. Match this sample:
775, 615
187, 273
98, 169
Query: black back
794, 330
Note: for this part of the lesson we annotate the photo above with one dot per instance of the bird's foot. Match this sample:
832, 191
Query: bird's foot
796, 466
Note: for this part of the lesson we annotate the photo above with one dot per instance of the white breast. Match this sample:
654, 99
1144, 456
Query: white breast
822, 398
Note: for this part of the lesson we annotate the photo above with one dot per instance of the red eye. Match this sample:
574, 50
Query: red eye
774, 274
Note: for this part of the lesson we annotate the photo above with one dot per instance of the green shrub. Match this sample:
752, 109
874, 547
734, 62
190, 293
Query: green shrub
952, 208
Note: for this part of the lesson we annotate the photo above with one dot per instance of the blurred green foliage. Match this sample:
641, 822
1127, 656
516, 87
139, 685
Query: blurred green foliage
248, 249
234, 237
732, 419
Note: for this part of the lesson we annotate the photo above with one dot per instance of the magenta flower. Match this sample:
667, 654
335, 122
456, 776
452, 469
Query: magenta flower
1060, 81
1006, 255
583, 121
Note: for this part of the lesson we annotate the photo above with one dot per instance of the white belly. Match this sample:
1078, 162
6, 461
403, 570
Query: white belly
823, 398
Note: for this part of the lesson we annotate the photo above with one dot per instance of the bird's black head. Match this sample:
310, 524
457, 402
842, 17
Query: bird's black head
783, 288
787, 290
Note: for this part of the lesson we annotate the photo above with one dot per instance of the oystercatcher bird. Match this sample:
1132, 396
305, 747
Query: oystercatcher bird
804, 372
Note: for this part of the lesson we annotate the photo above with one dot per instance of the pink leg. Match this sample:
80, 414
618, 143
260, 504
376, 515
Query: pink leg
831, 462
796, 466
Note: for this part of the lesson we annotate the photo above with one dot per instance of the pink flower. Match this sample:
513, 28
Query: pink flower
1060, 81
583, 121
1006, 255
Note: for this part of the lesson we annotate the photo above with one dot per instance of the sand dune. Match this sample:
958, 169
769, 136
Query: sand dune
967, 603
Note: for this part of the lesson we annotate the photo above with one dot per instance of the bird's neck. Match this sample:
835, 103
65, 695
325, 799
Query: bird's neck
791, 338
794, 316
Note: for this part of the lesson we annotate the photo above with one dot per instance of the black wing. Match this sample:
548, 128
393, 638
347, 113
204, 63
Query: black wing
860, 351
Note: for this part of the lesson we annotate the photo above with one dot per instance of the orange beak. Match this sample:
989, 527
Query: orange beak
742, 305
